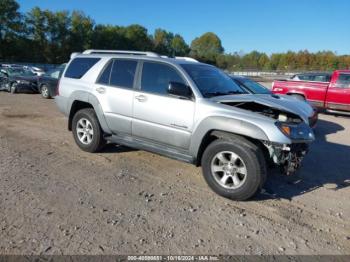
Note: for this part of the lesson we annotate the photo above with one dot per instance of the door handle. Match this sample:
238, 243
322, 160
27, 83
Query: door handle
101, 90
141, 98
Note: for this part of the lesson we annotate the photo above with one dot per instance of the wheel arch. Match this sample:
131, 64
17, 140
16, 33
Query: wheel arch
296, 94
224, 128
213, 135
87, 101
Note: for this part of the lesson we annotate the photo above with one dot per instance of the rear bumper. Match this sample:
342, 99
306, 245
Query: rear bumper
61, 103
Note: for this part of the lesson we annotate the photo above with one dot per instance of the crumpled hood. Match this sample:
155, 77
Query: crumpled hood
282, 102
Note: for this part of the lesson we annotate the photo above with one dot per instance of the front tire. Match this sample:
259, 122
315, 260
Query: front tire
234, 168
87, 131
13, 88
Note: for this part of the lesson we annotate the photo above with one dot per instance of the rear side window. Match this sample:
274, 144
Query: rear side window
306, 77
79, 66
343, 81
156, 77
104, 78
123, 73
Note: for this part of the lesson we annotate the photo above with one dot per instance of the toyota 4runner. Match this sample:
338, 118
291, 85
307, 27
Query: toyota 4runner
185, 110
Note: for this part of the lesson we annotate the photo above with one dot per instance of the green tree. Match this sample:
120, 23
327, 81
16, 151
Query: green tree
58, 36
179, 46
138, 38
109, 37
81, 31
206, 47
162, 41
37, 26
166, 43
10, 27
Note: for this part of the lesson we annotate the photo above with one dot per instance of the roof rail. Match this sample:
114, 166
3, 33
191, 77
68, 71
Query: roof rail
124, 52
186, 58
74, 55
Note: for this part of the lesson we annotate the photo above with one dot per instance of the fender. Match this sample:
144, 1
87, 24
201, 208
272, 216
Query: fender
99, 112
93, 101
225, 124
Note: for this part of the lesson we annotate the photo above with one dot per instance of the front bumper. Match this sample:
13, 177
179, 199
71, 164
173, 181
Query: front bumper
287, 157
62, 103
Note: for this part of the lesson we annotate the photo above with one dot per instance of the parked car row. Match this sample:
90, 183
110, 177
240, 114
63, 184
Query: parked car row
23, 79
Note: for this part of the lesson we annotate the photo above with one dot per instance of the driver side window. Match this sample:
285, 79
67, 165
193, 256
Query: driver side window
156, 78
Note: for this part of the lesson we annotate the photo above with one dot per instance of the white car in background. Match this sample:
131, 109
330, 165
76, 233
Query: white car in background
36, 70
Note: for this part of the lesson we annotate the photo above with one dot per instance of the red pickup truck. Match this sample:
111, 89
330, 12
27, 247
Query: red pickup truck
333, 96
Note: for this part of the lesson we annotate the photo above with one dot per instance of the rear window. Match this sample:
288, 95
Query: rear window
79, 66
314, 77
104, 78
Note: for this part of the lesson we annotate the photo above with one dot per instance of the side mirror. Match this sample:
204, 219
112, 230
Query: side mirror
179, 89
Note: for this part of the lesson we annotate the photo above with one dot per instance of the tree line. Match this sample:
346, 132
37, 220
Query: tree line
44, 36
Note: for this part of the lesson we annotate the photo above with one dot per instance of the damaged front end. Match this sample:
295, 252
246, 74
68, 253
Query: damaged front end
290, 153
288, 157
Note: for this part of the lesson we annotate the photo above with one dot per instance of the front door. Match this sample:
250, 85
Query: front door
159, 116
338, 95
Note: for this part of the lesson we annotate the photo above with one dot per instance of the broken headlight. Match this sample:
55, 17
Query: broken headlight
296, 131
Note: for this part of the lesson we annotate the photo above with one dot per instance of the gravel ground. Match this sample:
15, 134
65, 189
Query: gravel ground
56, 199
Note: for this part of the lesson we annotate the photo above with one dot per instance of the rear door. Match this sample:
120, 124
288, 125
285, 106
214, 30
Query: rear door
114, 90
338, 95
159, 116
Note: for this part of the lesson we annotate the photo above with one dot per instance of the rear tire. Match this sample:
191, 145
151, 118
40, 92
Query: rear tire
242, 166
44, 90
87, 131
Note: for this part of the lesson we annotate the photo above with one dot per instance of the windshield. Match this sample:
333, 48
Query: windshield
252, 86
211, 81
19, 72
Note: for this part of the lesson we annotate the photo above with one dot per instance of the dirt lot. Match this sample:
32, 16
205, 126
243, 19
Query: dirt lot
56, 199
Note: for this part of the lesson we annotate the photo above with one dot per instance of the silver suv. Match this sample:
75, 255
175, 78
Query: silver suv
185, 110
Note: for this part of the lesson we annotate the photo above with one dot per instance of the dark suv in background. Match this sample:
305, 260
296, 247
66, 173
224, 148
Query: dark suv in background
47, 83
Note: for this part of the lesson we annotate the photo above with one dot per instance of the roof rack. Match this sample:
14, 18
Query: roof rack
186, 58
124, 52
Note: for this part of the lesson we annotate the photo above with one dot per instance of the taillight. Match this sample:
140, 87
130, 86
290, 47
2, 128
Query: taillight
58, 88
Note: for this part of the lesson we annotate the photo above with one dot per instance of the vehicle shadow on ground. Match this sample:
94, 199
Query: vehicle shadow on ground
327, 164
114, 148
